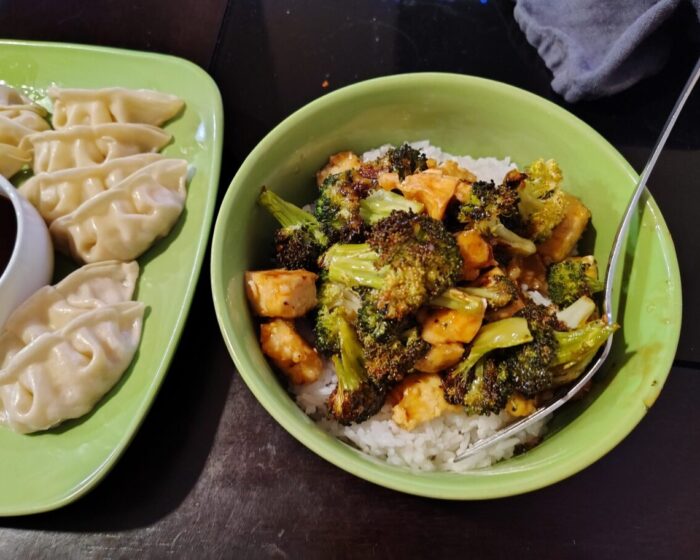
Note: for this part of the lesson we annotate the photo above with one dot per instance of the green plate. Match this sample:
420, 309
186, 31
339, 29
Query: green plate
463, 115
48, 470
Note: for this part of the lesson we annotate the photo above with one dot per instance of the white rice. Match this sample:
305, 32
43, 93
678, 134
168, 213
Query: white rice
433, 445
485, 169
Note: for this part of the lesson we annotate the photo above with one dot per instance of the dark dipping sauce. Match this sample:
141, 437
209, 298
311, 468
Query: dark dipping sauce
8, 231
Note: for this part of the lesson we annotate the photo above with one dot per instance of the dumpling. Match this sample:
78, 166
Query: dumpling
12, 159
63, 374
26, 117
12, 131
60, 192
21, 109
97, 106
123, 222
85, 146
10, 97
52, 307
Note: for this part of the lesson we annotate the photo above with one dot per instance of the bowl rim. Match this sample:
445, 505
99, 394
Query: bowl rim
427, 484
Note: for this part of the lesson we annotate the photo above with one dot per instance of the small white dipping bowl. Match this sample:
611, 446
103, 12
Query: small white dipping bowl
31, 264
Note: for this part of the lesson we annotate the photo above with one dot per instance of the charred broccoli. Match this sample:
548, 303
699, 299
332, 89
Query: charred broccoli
459, 300
338, 205
372, 323
391, 360
488, 208
380, 204
574, 346
496, 288
463, 380
488, 390
336, 303
405, 160
355, 398
538, 365
300, 240
542, 202
572, 278
408, 259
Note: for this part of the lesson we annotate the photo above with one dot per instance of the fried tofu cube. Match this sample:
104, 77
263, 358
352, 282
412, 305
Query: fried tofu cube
439, 357
452, 168
290, 352
565, 236
281, 293
520, 406
476, 253
463, 191
419, 398
449, 325
388, 181
337, 163
432, 188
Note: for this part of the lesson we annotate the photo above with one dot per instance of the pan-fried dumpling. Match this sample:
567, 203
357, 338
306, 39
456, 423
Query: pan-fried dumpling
60, 192
98, 106
52, 307
12, 159
85, 146
63, 374
123, 222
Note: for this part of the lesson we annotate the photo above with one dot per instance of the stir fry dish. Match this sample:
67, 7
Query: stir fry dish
430, 290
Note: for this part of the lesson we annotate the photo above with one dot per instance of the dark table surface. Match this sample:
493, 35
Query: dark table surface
210, 474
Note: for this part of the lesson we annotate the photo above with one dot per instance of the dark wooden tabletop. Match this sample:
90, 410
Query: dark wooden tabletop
210, 474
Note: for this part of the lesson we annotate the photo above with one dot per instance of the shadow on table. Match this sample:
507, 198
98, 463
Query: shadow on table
168, 454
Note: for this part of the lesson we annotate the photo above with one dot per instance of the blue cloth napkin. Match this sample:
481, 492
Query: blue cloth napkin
596, 48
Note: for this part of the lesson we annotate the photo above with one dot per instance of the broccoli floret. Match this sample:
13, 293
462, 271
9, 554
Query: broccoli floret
497, 289
372, 323
391, 360
488, 208
408, 259
380, 204
300, 240
534, 367
459, 380
338, 205
459, 300
406, 160
355, 398
542, 202
336, 302
572, 278
528, 365
488, 390
575, 345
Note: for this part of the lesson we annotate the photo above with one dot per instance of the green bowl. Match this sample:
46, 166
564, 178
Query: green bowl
462, 115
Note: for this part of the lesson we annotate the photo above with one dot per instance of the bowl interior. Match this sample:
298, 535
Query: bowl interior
462, 115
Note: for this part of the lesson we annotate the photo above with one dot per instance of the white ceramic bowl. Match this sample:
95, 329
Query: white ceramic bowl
31, 265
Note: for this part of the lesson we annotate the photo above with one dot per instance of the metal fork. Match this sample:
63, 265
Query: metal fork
617, 251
